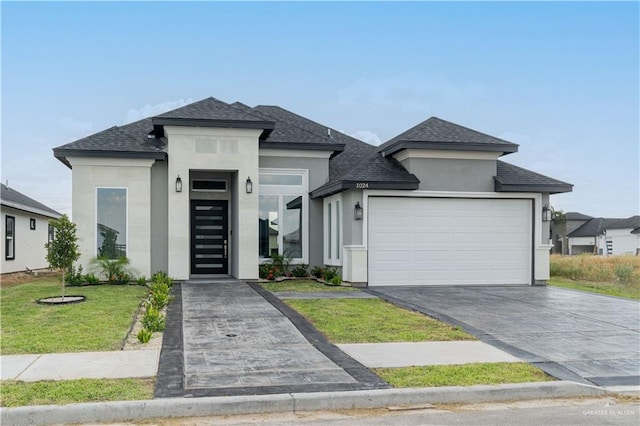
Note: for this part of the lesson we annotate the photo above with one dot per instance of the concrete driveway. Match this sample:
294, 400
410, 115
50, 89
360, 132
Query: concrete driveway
570, 334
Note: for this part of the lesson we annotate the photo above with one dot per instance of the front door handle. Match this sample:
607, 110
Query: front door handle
225, 247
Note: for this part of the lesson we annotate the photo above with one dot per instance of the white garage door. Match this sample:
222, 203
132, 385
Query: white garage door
449, 241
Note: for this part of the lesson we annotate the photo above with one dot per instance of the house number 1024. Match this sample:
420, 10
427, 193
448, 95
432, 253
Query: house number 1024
362, 185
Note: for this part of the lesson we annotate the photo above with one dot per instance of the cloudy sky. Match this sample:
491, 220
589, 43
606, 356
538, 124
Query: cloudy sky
560, 79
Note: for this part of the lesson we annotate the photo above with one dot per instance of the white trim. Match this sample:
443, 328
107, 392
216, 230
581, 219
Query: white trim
95, 219
297, 153
289, 190
443, 153
30, 209
536, 197
110, 161
333, 230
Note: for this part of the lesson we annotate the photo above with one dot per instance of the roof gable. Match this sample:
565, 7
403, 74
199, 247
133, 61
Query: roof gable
435, 133
11, 198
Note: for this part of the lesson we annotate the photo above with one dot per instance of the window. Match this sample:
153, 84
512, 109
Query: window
283, 219
209, 185
51, 233
111, 222
32, 224
9, 237
333, 230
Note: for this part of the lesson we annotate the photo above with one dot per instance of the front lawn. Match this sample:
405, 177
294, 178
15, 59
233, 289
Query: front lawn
616, 288
373, 321
98, 324
462, 375
16, 394
303, 286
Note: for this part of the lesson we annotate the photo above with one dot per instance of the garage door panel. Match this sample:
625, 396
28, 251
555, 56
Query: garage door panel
441, 241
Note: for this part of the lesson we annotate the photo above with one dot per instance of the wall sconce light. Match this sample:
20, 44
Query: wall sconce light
178, 184
547, 213
249, 186
357, 211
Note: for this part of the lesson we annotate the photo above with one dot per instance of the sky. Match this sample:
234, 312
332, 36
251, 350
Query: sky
561, 79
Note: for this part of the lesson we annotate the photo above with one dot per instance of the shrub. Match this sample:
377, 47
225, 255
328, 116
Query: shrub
144, 335
74, 276
162, 276
91, 279
317, 272
153, 320
141, 280
113, 270
300, 271
337, 280
329, 274
159, 297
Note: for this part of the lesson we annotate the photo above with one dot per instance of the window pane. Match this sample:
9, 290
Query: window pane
10, 226
268, 225
112, 223
330, 230
292, 226
273, 179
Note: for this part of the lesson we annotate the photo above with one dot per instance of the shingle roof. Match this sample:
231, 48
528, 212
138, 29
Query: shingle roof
577, 216
512, 178
435, 133
593, 227
210, 108
630, 222
12, 198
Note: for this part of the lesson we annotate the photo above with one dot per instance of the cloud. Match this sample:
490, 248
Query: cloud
135, 114
367, 136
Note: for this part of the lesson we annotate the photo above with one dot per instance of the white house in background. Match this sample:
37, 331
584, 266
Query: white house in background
606, 236
214, 189
25, 230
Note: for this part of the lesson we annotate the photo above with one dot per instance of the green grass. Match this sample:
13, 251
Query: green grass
462, 375
303, 286
620, 289
373, 321
16, 394
98, 324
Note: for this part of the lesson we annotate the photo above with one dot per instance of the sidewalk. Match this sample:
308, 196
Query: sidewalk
144, 363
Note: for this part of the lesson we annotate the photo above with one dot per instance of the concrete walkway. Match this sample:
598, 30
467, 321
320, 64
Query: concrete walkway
80, 365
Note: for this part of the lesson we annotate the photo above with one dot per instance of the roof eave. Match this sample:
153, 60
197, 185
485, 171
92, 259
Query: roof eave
343, 185
29, 209
63, 154
523, 187
506, 148
335, 148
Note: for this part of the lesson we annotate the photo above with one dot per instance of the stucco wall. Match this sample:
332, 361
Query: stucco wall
133, 174
207, 148
624, 242
447, 174
29, 244
318, 174
352, 229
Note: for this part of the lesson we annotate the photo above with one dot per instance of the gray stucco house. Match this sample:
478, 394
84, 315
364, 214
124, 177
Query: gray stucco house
214, 189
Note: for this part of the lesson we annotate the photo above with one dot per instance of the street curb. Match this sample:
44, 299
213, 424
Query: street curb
291, 402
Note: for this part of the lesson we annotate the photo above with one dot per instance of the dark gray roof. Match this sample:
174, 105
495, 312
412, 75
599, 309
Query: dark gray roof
12, 198
359, 162
577, 216
630, 222
593, 227
211, 109
512, 178
435, 133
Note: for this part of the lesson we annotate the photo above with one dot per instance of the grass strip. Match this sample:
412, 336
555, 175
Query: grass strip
619, 289
304, 286
373, 321
16, 394
98, 324
462, 375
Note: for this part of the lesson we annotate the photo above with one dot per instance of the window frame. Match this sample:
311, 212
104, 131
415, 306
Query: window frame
12, 238
95, 219
282, 191
51, 232
333, 219
32, 223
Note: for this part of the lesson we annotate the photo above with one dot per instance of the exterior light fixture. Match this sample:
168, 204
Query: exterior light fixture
178, 184
547, 213
357, 211
249, 186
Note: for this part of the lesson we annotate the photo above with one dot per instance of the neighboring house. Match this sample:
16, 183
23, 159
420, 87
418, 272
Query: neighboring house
606, 236
561, 230
25, 231
214, 189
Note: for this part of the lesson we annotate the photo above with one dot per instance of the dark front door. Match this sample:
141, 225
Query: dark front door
209, 231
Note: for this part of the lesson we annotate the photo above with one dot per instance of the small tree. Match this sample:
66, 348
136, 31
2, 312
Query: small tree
62, 251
